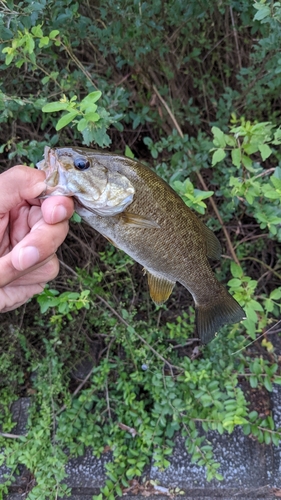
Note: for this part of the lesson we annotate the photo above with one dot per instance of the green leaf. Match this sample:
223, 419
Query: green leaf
82, 124
76, 218
94, 96
218, 156
53, 34
265, 151
236, 270
276, 183
66, 119
90, 99
44, 41
37, 31
219, 139
91, 108
268, 384
236, 157
262, 13
276, 294
9, 58
250, 148
230, 140
92, 117
277, 380
45, 80
29, 44
99, 136
128, 152
32, 58
234, 283
53, 107
275, 439
256, 305
20, 62
247, 162
253, 381
277, 172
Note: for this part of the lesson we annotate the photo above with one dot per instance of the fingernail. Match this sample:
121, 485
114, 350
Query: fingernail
28, 256
59, 214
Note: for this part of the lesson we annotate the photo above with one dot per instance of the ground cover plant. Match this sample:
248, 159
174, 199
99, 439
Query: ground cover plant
192, 89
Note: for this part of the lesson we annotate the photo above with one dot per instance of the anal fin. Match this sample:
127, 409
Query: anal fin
160, 289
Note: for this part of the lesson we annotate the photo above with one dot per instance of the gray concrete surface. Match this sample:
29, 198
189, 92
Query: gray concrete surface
250, 470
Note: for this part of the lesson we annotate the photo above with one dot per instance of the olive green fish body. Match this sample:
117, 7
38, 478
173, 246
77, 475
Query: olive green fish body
178, 249
155, 228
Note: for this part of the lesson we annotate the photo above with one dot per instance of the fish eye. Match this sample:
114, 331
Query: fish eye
81, 164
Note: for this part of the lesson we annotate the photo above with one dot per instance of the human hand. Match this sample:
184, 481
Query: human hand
30, 233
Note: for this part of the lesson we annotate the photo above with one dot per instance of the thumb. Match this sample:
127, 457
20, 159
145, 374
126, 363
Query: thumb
19, 183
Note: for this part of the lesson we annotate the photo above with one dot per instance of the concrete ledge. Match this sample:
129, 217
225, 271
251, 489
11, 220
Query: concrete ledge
251, 470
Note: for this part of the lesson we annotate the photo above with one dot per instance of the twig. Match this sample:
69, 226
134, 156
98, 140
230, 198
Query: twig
271, 331
106, 382
63, 264
78, 64
227, 237
214, 206
235, 37
77, 390
169, 111
215, 46
11, 436
265, 172
179, 346
264, 265
107, 400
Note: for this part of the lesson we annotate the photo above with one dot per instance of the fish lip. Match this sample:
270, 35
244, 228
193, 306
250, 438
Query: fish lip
49, 165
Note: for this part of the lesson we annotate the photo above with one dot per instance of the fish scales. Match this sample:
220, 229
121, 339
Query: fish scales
145, 217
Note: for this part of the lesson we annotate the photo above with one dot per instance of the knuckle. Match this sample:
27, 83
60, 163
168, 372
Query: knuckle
52, 268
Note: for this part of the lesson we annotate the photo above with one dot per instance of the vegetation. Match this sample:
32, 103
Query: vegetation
192, 89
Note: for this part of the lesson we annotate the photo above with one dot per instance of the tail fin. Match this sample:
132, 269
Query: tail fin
212, 316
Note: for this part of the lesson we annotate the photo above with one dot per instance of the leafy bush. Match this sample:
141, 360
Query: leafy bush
194, 91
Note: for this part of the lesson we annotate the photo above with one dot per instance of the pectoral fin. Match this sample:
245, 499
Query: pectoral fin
160, 289
138, 221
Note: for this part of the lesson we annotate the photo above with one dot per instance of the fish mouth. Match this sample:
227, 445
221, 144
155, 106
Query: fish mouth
56, 179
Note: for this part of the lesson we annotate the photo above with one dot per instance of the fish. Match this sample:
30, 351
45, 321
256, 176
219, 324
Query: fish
139, 213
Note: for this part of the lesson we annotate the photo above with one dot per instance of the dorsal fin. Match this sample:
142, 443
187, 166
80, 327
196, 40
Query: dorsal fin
213, 246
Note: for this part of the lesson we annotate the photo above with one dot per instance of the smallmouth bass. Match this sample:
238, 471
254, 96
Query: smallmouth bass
139, 213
